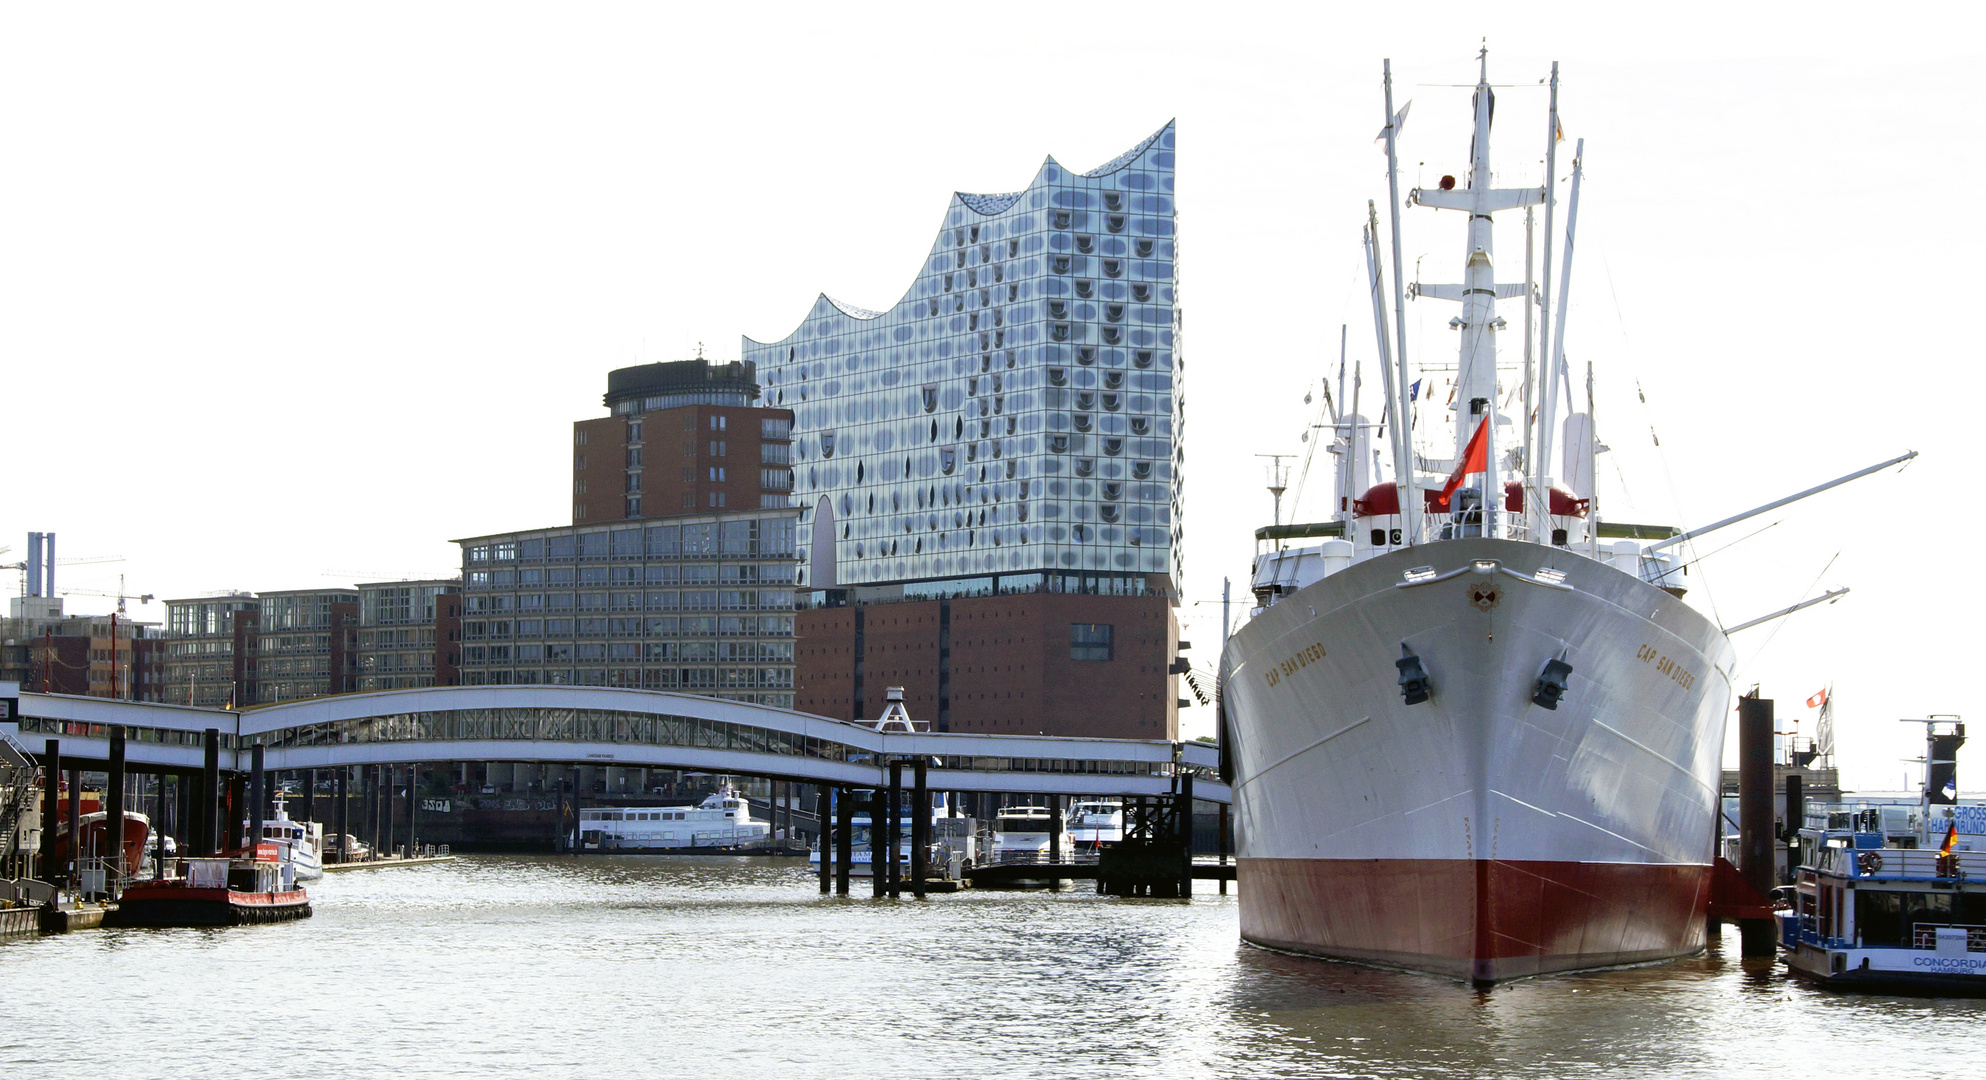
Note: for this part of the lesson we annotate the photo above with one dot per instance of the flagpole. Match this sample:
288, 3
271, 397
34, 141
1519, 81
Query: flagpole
1410, 503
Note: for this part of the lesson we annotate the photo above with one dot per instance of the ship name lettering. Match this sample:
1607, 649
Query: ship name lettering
1677, 673
1303, 658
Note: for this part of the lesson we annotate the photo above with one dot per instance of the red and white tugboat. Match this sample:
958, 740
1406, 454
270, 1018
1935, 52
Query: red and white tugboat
251, 886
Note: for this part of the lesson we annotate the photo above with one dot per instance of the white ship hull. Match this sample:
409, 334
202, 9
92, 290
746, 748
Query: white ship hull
1477, 834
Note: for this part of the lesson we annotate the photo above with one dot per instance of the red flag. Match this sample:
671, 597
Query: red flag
1817, 700
1475, 459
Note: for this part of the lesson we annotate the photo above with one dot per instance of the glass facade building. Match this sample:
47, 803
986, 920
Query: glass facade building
1014, 421
699, 604
408, 634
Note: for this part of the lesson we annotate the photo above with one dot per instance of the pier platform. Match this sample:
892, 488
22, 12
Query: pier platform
382, 864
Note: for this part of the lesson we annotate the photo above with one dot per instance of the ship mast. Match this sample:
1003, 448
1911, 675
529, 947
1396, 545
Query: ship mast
1475, 379
1403, 416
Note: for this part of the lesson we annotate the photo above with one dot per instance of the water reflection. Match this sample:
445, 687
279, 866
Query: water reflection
714, 966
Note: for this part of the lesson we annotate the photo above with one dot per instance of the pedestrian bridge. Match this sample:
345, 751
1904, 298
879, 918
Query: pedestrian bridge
603, 726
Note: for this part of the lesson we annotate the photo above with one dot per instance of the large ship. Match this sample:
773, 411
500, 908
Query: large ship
1472, 729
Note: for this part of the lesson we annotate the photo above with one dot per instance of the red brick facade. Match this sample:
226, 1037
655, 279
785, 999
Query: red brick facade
690, 460
996, 664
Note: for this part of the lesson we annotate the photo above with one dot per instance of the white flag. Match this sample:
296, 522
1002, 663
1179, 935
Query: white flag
1399, 123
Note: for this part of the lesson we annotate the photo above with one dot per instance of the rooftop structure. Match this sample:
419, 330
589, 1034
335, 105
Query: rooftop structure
1016, 415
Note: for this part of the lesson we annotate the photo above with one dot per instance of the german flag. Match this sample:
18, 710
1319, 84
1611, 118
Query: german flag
1951, 840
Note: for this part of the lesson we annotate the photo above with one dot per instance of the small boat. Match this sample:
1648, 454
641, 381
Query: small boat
252, 886
1093, 823
299, 843
137, 840
722, 822
951, 838
1876, 908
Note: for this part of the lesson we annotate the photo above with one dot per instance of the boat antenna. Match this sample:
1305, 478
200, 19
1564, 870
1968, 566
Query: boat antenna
1540, 502
1403, 460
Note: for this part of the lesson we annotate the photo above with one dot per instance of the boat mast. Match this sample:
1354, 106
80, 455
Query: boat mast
1475, 377
1548, 408
1403, 461
1402, 437
1530, 248
1538, 506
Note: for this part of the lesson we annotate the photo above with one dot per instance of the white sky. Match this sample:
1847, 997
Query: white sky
290, 297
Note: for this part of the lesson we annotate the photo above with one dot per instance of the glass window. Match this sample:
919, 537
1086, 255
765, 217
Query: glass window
1089, 641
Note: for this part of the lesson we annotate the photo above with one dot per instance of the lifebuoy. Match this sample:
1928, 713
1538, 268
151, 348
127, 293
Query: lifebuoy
1869, 862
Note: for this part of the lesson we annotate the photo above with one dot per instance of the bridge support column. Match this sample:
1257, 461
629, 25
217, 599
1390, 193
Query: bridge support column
113, 811
341, 818
258, 787
844, 832
920, 827
1055, 828
310, 795
821, 800
210, 795
413, 808
51, 798
160, 803
237, 805
894, 840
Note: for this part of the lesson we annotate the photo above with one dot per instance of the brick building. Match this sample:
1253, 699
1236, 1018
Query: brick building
682, 438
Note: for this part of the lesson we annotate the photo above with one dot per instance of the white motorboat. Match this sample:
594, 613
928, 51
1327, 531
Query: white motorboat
721, 822
300, 844
1093, 823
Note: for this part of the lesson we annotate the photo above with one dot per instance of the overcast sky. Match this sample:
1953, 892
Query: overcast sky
290, 297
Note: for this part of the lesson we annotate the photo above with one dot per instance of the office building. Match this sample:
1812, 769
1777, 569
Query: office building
699, 603
410, 634
306, 644
210, 650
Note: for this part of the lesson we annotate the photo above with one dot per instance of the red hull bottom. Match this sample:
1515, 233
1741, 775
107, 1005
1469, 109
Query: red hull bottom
1481, 920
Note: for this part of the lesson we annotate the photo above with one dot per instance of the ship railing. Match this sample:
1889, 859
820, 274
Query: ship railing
1925, 935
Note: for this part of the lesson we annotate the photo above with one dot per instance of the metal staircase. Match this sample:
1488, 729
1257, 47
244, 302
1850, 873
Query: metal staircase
17, 803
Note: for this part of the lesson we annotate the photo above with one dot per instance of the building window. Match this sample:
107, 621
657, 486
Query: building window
717, 473
579, 463
717, 499
1089, 641
579, 487
717, 423
579, 511
634, 457
634, 506
717, 447
579, 438
634, 431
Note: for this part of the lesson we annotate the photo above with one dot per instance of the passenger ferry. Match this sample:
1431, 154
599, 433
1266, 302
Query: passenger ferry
1020, 834
1878, 907
721, 822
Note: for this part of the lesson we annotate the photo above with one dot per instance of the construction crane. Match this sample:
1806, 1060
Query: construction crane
22, 566
120, 595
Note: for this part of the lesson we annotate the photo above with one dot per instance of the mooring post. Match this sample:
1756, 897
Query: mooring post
1796, 816
823, 803
74, 869
1222, 841
310, 795
113, 810
258, 785
878, 822
920, 827
51, 799
1755, 846
1186, 835
341, 780
895, 838
844, 832
413, 808
377, 777
210, 795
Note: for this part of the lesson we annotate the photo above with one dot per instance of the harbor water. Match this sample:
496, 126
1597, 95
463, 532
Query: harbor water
712, 967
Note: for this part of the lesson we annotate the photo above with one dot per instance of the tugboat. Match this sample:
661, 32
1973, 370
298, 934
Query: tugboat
1889, 911
252, 886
